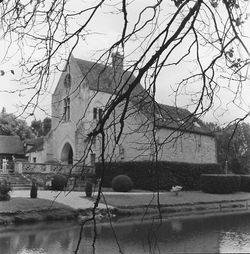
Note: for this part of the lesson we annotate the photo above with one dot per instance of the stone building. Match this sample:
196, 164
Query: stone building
34, 150
79, 100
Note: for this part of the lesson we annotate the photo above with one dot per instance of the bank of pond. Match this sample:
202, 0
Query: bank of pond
220, 234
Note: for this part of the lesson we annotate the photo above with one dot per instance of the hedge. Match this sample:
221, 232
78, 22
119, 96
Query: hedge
245, 183
147, 175
220, 184
59, 182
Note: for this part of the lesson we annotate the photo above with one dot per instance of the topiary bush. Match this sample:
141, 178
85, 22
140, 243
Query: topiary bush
58, 183
122, 183
33, 189
88, 189
245, 183
220, 184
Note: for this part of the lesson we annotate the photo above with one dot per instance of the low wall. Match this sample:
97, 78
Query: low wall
46, 168
75, 183
43, 172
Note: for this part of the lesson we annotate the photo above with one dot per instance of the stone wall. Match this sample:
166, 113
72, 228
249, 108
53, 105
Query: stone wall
187, 147
27, 168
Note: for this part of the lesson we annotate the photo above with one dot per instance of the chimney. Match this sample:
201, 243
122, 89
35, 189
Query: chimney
117, 62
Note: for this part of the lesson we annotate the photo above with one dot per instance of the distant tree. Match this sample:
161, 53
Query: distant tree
3, 110
41, 128
236, 167
10, 125
36, 127
46, 125
233, 145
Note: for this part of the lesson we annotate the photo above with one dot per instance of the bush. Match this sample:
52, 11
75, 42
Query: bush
58, 183
220, 184
33, 189
122, 183
245, 183
146, 176
236, 168
5, 188
88, 189
90, 179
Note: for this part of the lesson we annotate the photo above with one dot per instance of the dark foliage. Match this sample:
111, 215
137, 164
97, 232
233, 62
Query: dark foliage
233, 143
33, 190
245, 183
220, 184
91, 178
88, 189
41, 128
146, 176
5, 188
58, 182
122, 183
236, 168
10, 125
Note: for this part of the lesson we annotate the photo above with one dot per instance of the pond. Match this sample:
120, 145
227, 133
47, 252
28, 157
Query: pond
223, 234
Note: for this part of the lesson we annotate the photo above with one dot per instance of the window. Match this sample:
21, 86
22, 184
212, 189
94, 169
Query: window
121, 151
92, 159
94, 113
34, 159
100, 113
66, 109
97, 113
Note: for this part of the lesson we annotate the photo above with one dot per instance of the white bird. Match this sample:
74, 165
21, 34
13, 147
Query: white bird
176, 189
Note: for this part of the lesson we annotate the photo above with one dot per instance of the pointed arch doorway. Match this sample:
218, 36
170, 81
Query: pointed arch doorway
67, 154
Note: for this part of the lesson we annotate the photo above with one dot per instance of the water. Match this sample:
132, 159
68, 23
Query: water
202, 235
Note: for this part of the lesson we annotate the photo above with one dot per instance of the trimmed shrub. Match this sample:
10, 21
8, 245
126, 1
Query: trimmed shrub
146, 175
88, 189
33, 189
220, 184
91, 180
122, 183
5, 188
245, 183
58, 183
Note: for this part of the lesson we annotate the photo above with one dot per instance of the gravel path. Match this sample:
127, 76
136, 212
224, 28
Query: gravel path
74, 199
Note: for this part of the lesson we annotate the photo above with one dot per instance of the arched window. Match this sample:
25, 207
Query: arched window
66, 109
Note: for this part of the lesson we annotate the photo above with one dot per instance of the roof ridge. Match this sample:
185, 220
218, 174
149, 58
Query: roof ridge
98, 77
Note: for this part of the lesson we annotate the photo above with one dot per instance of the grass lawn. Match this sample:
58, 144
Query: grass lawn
127, 200
29, 204
27, 210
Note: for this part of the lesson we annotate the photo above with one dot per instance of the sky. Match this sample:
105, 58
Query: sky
107, 29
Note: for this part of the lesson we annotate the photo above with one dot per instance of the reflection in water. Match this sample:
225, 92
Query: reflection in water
204, 235
235, 241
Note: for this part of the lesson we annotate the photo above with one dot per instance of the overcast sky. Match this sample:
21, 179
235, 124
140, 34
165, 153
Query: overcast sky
108, 29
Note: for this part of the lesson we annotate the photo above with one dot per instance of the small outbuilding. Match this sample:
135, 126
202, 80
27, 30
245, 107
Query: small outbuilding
11, 148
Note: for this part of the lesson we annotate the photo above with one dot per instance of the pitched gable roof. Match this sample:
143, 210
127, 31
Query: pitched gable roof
11, 145
98, 76
102, 78
181, 119
35, 143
